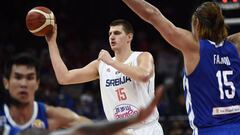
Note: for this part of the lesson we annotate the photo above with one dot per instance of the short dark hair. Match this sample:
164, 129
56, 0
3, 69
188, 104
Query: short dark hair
21, 59
127, 26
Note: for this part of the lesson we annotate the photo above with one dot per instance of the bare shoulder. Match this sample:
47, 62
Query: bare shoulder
145, 55
235, 39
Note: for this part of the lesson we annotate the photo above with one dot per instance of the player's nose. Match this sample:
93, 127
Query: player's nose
23, 82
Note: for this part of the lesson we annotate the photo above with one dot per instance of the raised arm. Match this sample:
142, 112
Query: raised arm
65, 76
177, 37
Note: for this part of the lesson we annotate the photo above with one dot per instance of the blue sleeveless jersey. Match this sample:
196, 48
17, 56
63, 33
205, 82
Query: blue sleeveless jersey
211, 91
38, 120
8, 130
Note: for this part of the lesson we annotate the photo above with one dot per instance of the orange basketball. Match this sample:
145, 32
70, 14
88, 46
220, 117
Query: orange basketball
40, 21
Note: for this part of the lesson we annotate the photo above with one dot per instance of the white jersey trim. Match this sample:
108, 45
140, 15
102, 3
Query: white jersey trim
6, 130
24, 126
191, 115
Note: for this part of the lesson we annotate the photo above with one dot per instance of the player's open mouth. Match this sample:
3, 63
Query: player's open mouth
113, 43
23, 93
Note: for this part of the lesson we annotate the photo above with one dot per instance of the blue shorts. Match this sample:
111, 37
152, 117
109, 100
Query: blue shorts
228, 129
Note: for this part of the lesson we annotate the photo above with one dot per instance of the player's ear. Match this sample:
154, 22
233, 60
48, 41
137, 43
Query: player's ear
37, 85
197, 24
5, 83
130, 36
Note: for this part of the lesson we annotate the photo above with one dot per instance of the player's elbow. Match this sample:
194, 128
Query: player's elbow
145, 77
63, 80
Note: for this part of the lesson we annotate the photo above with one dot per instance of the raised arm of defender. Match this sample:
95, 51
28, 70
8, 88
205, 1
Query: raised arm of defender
177, 37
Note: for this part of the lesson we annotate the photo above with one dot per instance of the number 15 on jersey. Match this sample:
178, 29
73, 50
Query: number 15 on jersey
222, 77
121, 94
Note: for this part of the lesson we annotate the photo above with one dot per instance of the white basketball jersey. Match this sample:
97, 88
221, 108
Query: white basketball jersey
122, 96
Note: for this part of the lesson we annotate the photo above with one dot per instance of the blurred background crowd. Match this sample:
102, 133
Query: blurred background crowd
82, 32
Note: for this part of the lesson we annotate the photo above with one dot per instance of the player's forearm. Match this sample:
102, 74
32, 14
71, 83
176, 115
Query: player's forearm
59, 67
103, 128
134, 72
143, 9
80, 120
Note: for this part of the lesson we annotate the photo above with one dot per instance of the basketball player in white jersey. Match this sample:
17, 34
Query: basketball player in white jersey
126, 80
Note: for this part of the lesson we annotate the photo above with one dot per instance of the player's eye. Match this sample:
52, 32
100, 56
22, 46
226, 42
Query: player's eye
18, 77
31, 77
117, 33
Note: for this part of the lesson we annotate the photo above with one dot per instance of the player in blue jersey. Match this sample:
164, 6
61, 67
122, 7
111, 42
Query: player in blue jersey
212, 66
20, 110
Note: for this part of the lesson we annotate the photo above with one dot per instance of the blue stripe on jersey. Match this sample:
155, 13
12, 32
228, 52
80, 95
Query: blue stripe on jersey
214, 83
42, 115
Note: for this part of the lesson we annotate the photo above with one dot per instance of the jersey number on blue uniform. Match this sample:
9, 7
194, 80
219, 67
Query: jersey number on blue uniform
224, 75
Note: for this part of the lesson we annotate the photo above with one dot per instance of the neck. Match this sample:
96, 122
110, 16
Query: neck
122, 55
22, 114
